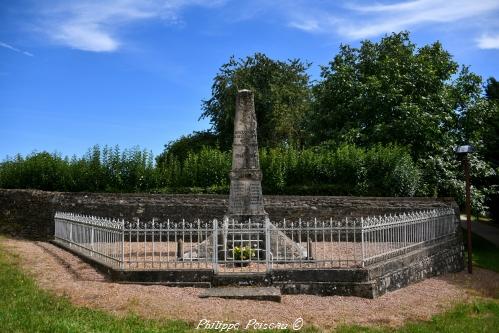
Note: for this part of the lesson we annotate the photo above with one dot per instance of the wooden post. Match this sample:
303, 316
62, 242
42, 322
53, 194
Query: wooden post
468, 211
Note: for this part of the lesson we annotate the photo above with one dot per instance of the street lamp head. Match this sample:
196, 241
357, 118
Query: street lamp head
466, 149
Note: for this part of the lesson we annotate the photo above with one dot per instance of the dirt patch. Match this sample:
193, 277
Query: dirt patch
65, 274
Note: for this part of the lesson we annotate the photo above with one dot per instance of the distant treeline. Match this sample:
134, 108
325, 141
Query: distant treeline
347, 170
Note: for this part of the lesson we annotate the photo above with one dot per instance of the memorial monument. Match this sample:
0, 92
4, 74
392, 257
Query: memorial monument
246, 224
245, 199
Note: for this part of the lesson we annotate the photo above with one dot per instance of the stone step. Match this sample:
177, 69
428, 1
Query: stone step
253, 293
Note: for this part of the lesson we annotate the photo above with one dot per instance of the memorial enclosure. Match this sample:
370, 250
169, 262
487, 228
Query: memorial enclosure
316, 245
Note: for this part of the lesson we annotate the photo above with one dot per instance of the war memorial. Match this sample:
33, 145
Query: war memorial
320, 245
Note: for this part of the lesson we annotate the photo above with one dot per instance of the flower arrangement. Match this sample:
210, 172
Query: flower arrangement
243, 253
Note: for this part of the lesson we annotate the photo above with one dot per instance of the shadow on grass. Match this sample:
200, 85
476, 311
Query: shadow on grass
485, 253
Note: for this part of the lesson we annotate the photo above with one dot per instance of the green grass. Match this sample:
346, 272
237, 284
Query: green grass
26, 308
485, 254
480, 316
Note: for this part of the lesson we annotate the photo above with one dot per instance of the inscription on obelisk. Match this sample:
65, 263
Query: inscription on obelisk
245, 199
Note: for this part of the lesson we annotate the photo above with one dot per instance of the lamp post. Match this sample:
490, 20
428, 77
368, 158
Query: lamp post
463, 152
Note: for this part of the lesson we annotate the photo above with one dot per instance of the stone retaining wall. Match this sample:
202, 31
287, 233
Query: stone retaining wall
29, 213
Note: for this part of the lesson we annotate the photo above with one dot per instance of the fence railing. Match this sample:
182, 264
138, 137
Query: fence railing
235, 246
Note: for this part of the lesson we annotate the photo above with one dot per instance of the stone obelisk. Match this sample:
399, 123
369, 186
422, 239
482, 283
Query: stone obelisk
246, 218
246, 224
245, 199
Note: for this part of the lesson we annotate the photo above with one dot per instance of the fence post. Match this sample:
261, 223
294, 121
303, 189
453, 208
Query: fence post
180, 249
310, 253
122, 263
267, 244
215, 246
70, 234
405, 233
362, 240
92, 241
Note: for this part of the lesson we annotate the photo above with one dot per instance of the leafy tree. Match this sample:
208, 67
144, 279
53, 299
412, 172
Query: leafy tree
492, 89
393, 92
491, 145
181, 147
387, 92
281, 99
491, 123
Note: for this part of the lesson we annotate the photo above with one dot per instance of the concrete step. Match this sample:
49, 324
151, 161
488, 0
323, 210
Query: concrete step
253, 293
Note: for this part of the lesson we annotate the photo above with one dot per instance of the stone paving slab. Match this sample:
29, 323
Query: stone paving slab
254, 293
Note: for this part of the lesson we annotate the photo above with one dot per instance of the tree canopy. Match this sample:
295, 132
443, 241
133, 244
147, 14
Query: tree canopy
282, 98
392, 92
492, 89
181, 147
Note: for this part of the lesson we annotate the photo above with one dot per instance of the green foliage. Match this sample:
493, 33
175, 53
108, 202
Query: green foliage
393, 92
492, 89
42, 171
243, 253
390, 92
345, 170
208, 168
181, 147
106, 169
281, 99
490, 147
348, 170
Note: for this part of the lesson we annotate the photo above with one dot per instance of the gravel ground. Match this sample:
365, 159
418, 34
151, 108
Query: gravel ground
64, 274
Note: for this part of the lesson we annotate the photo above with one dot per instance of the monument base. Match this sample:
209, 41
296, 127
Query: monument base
242, 237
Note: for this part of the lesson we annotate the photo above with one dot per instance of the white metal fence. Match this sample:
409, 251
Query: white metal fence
236, 246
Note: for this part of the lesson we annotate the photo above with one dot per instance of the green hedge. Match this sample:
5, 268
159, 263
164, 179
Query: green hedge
345, 170
100, 170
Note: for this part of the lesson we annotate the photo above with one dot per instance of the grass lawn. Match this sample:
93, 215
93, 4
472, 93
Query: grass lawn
485, 254
26, 308
480, 316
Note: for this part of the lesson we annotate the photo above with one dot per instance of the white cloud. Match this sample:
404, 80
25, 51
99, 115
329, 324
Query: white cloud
98, 25
488, 42
308, 25
92, 25
87, 37
15, 49
404, 15
357, 21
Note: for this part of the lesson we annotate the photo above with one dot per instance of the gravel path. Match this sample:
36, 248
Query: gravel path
65, 274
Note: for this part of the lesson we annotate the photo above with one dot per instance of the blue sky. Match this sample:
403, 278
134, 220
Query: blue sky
78, 73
